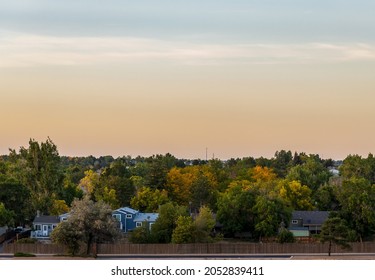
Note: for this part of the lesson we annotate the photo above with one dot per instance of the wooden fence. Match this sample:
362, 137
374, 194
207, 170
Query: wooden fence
210, 248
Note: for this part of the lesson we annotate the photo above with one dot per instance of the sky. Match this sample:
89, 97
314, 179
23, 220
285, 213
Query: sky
238, 78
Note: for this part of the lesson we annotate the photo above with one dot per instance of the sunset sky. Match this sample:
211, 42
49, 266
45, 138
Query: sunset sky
240, 77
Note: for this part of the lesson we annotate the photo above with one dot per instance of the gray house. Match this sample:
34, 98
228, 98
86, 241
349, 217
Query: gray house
44, 225
305, 223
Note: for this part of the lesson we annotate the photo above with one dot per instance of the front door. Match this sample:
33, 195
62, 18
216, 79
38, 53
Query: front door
45, 230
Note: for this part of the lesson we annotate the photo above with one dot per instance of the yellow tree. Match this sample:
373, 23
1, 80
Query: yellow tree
89, 182
295, 195
264, 174
179, 182
59, 207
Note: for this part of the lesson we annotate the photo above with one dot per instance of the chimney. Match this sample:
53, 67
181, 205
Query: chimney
38, 213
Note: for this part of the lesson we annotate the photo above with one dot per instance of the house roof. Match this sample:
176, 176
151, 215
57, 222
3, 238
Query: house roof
47, 220
151, 217
126, 210
311, 217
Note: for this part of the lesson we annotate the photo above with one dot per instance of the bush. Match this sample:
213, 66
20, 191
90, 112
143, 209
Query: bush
21, 254
285, 236
27, 241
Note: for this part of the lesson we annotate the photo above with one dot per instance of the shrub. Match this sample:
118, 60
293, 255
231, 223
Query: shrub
21, 254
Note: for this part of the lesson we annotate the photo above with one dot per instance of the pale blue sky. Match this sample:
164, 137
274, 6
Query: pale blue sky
240, 77
235, 20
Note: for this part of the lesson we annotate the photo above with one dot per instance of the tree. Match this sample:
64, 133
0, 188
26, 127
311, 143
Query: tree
334, 230
158, 167
356, 166
149, 200
117, 179
90, 222
69, 235
16, 198
166, 222
311, 173
38, 168
296, 196
268, 214
203, 225
6, 216
235, 208
184, 231
90, 182
203, 190
356, 197
179, 182
59, 207
282, 162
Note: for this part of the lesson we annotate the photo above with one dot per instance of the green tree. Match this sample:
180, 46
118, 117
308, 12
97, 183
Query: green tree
6, 216
149, 200
356, 197
166, 222
184, 231
117, 177
335, 231
311, 173
38, 168
16, 198
158, 167
203, 190
235, 208
90, 222
268, 214
356, 166
203, 225
281, 163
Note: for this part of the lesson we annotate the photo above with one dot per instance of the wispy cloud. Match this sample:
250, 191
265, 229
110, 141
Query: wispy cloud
23, 50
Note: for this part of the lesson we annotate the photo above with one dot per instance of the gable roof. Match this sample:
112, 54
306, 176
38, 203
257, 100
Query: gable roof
47, 220
126, 210
311, 217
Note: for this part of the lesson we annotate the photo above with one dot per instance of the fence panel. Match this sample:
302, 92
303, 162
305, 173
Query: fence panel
209, 248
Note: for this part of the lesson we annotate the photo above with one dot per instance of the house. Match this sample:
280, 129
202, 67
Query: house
149, 218
129, 219
305, 223
44, 225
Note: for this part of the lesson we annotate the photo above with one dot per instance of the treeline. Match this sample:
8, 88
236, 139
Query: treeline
254, 195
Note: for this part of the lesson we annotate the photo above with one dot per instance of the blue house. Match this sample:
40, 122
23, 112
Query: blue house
129, 219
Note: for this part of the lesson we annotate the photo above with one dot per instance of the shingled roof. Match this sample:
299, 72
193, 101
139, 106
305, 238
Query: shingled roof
47, 220
311, 217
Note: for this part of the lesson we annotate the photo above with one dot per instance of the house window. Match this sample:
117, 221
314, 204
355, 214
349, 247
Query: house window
63, 219
129, 216
151, 224
117, 217
138, 224
54, 226
38, 227
294, 222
